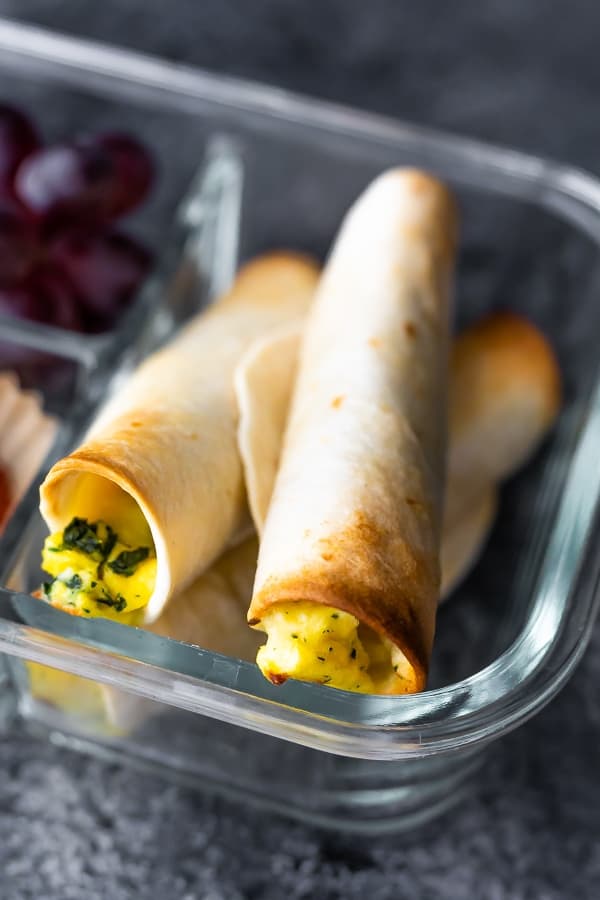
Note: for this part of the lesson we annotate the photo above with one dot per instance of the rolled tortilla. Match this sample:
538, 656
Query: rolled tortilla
350, 552
264, 381
464, 539
505, 394
161, 463
211, 612
508, 374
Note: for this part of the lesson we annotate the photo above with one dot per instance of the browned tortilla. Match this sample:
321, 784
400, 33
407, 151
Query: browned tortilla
165, 445
355, 518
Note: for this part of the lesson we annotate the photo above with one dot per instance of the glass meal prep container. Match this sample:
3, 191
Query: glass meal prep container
243, 169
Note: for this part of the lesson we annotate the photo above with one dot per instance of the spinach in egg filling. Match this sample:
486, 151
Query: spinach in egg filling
95, 573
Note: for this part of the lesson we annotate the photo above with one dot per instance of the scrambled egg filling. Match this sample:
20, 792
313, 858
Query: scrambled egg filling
94, 573
318, 643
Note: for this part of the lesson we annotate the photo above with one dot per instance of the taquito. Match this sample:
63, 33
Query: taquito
264, 381
505, 366
504, 396
156, 490
464, 538
505, 392
211, 612
348, 574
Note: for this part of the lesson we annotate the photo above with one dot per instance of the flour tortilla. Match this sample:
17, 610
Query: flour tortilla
166, 443
211, 614
355, 517
505, 394
504, 397
264, 381
464, 539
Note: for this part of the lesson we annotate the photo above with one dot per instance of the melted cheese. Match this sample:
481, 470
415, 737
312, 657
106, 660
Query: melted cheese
311, 642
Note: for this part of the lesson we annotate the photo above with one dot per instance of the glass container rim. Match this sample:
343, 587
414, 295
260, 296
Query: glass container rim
530, 671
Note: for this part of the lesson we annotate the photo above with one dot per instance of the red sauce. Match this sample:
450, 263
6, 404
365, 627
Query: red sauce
4, 497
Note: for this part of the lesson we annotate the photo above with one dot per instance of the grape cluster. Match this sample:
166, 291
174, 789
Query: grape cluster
62, 262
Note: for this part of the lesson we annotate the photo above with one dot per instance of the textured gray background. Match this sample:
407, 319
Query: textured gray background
524, 73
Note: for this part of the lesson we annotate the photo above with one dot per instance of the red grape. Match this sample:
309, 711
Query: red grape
18, 246
46, 296
91, 181
18, 138
66, 181
105, 270
58, 263
54, 289
134, 172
